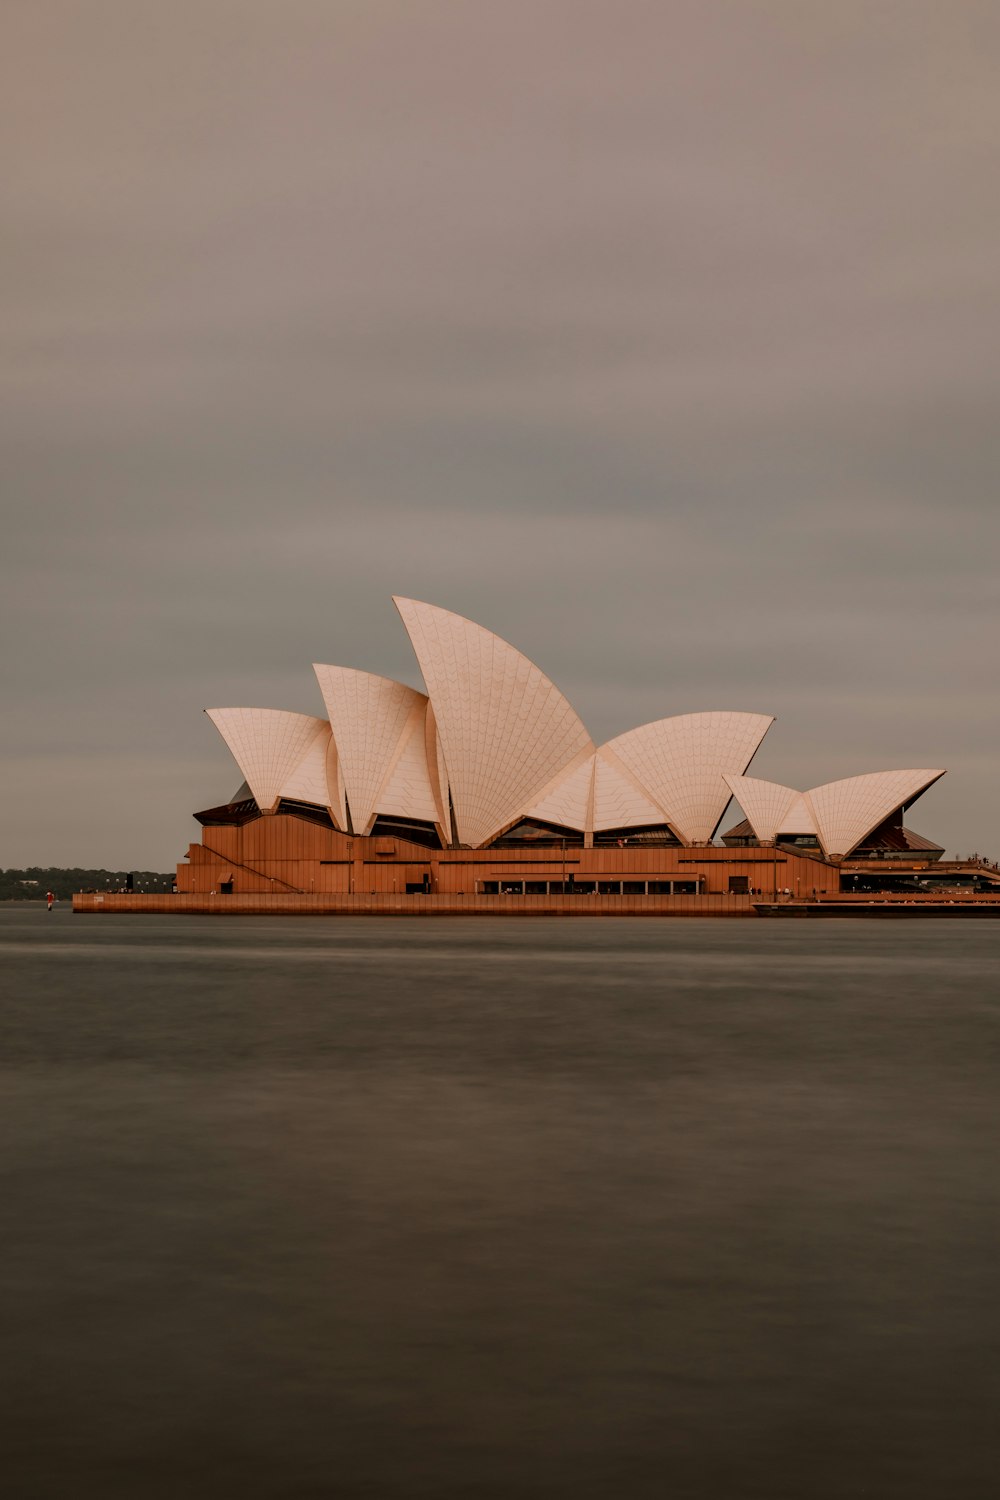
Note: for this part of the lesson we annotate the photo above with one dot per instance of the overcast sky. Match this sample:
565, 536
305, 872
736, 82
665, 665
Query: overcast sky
661, 339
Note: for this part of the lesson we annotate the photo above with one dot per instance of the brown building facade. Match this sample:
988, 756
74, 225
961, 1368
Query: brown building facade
285, 854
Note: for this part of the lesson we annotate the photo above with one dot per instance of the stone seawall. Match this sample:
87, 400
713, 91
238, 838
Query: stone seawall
881, 907
367, 905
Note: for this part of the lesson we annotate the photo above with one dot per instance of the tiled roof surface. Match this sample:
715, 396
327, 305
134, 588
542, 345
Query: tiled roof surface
407, 791
268, 745
506, 731
308, 782
618, 803
768, 806
682, 763
499, 741
567, 803
845, 811
369, 716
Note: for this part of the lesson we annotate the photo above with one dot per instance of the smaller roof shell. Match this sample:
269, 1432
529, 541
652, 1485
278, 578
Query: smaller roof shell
841, 813
846, 811
308, 781
269, 745
568, 802
371, 718
682, 762
619, 802
408, 790
766, 805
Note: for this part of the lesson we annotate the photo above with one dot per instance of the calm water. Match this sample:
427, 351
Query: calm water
300, 1208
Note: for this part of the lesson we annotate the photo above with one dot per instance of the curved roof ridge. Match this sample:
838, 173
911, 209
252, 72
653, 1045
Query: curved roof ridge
505, 730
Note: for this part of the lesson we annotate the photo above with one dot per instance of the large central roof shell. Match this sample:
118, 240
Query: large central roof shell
505, 730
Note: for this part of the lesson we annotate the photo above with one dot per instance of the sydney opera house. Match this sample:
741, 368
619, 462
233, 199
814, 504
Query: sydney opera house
487, 786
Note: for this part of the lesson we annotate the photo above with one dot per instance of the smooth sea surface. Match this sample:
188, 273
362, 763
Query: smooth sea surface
300, 1207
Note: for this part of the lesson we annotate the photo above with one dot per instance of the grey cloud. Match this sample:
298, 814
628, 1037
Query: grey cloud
660, 338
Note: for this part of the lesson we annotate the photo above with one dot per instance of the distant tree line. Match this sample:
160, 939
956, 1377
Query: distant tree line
33, 883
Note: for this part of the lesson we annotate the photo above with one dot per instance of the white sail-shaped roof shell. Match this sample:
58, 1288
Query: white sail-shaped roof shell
371, 718
618, 802
597, 795
682, 763
269, 745
308, 782
568, 802
335, 782
495, 741
407, 791
768, 806
506, 731
798, 818
437, 770
846, 811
